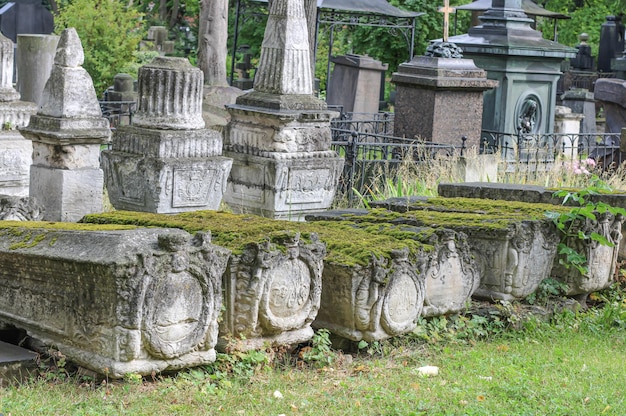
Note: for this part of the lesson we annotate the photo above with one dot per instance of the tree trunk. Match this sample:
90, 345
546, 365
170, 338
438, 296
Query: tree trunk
212, 42
163, 10
174, 15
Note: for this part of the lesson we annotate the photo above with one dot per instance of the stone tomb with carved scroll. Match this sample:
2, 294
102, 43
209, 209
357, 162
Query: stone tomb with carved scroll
444, 265
601, 259
114, 300
272, 294
272, 284
513, 243
167, 162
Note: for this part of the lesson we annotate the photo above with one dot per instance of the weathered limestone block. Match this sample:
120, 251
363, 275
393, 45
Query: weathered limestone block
373, 302
601, 259
15, 208
283, 185
272, 291
165, 171
167, 162
531, 193
66, 134
513, 243
254, 131
15, 152
115, 301
271, 296
272, 284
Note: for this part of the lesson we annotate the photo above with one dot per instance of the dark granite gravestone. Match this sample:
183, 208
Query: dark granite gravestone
611, 42
25, 16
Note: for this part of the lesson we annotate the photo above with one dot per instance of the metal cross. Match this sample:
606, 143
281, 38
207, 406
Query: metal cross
446, 10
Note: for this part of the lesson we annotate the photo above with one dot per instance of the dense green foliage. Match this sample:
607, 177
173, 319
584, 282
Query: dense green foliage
586, 16
110, 32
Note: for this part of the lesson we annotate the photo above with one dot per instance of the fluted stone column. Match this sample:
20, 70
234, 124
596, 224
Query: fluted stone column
279, 134
67, 133
167, 162
15, 152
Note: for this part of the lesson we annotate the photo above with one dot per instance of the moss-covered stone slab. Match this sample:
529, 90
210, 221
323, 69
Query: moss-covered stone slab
446, 265
513, 243
264, 252
115, 299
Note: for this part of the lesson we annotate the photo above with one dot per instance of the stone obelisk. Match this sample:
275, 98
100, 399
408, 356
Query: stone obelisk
67, 132
279, 134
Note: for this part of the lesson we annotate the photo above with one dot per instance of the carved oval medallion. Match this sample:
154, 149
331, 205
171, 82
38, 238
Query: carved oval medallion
286, 301
403, 302
175, 316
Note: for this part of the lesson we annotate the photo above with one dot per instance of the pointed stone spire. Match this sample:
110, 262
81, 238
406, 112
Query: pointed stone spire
283, 80
7, 92
285, 65
69, 92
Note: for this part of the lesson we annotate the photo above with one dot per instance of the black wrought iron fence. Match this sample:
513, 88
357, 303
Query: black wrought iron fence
538, 151
119, 113
371, 157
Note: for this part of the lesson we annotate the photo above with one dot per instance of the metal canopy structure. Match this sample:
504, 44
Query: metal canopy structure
340, 13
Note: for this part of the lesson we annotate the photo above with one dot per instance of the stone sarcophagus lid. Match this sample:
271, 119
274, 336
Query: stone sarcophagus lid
116, 301
601, 259
373, 302
272, 294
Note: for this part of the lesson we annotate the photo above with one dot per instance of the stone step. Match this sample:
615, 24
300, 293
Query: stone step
16, 363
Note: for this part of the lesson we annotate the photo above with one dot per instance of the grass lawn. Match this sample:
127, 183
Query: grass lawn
573, 366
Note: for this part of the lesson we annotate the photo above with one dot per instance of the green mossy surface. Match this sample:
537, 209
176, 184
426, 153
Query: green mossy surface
345, 243
28, 234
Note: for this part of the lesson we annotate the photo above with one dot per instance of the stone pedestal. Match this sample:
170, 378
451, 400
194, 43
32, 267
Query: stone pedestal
440, 100
568, 125
581, 101
355, 83
167, 162
15, 151
279, 134
526, 66
34, 61
67, 132
117, 301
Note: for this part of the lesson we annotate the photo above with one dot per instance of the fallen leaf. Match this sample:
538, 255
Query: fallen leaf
480, 398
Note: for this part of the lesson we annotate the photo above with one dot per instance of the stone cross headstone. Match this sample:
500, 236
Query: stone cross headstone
67, 131
167, 161
15, 151
446, 10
